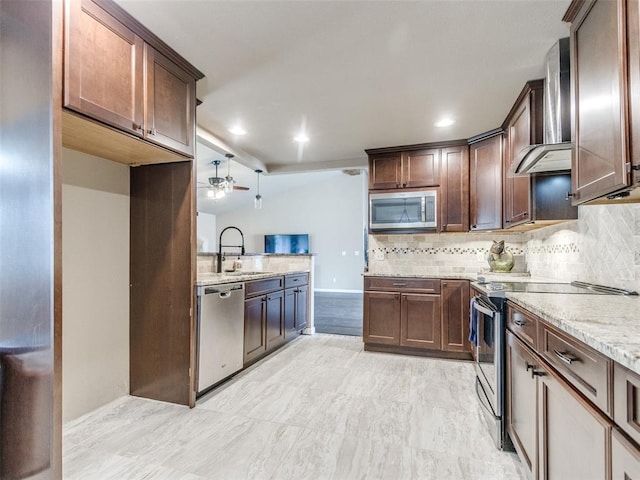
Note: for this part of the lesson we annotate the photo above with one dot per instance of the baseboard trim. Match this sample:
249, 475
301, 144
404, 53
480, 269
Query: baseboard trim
335, 290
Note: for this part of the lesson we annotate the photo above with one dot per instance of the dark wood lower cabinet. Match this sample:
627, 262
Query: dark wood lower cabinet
625, 458
417, 316
254, 328
296, 303
274, 319
381, 318
455, 315
573, 436
521, 402
420, 321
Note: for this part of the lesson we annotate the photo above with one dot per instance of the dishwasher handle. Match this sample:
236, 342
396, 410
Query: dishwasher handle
224, 291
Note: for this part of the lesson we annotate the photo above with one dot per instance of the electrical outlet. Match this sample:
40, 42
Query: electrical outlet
379, 256
480, 257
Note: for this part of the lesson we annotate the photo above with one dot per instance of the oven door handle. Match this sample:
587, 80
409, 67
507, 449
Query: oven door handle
481, 308
484, 405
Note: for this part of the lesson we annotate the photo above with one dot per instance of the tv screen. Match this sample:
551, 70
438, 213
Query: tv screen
294, 243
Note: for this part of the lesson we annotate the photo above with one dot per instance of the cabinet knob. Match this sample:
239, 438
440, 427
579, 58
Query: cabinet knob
151, 131
404, 185
525, 214
570, 195
507, 221
474, 226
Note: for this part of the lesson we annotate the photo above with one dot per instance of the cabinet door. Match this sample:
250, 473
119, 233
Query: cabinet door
521, 402
275, 319
573, 436
486, 184
625, 458
455, 316
254, 328
420, 321
170, 102
421, 168
302, 305
599, 78
385, 171
289, 313
103, 67
381, 318
522, 130
454, 189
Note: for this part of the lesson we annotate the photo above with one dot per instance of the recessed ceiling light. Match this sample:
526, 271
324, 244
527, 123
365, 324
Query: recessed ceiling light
301, 138
237, 130
445, 122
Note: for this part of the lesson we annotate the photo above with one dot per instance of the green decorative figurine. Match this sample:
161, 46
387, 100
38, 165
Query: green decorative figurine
500, 260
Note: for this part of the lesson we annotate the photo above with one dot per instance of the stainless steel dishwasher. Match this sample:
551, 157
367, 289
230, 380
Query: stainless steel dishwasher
220, 333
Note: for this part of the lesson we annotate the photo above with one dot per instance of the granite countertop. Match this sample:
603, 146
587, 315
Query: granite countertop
608, 323
249, 254
205, 279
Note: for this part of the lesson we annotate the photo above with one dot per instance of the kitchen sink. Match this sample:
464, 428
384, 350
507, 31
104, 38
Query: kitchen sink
241, 272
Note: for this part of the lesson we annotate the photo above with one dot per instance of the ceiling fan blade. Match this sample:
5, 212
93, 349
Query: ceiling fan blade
238, 187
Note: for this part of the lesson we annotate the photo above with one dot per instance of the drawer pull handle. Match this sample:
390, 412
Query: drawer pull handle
537, 373
566, 358
399, 284
520, 323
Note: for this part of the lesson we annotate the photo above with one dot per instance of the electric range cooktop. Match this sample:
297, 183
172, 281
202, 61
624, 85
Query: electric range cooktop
580, 288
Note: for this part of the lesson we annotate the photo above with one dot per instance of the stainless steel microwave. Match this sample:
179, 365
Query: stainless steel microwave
403, 210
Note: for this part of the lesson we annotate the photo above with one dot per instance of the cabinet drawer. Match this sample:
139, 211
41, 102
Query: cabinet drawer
402, 284
296, 280
584, 368
626, 396
524, 325
265, 285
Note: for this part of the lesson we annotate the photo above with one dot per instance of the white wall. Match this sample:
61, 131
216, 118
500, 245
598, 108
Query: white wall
207, 235
330, 211
95, 282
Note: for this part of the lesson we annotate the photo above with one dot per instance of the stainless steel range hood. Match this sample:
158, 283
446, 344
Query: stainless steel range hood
555, 153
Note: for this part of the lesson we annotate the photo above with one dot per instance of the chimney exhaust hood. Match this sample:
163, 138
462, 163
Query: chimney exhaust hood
555, 153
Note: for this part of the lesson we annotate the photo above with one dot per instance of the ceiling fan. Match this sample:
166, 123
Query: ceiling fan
220, 186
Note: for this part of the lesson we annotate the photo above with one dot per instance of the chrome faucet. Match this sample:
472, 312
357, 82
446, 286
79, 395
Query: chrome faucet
219, 268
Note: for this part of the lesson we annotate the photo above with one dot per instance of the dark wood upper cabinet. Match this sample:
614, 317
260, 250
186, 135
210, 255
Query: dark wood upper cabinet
117, 74
522, 127
103, 67
170, 104
404, 169
454, 189
601, 162
485, 181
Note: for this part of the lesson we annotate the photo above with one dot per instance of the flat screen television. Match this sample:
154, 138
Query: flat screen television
292, 243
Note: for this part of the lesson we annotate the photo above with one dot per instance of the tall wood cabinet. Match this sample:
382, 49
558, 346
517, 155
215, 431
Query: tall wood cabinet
454, 189
522, 127
605, 75
485, 182
118, 74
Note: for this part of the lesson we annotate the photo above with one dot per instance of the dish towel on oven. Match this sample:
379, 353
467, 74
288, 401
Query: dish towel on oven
473, 323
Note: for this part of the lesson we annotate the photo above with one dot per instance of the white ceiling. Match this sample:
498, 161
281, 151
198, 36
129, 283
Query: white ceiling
355, 74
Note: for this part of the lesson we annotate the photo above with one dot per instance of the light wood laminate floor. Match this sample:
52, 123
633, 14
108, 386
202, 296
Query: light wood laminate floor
320, 408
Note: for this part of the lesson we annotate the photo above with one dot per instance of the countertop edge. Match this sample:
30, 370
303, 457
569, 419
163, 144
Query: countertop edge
221, 278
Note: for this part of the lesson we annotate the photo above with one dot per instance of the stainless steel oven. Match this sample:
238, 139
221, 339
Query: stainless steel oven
487, 338
414, 210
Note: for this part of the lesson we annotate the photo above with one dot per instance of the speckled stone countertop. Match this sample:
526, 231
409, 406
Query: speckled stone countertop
608, 323
205, 279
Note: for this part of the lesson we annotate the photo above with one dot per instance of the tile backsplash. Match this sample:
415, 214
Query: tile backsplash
602, 246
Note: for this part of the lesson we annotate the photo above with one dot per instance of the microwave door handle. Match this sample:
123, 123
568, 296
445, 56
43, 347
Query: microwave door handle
423, 208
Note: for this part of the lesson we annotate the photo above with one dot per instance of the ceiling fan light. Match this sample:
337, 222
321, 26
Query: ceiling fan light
301, 138
211, 193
